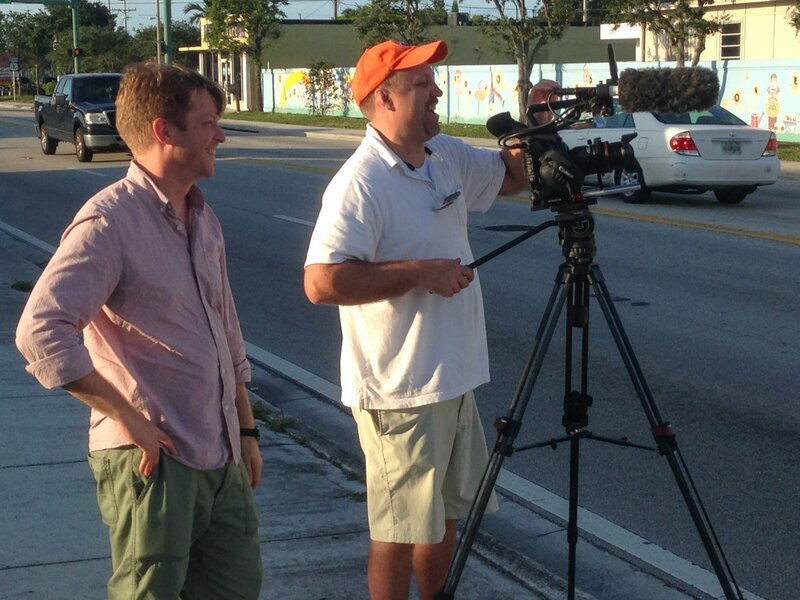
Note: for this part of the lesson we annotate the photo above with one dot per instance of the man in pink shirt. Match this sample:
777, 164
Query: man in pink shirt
141, 274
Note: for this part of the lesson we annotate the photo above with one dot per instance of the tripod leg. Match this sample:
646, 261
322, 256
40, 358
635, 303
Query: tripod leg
572, 523
665, 438
507, 428
576, 404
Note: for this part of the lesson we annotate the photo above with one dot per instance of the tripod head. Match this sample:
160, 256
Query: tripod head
576, 236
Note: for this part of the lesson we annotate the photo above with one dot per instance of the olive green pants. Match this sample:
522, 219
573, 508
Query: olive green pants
180, 533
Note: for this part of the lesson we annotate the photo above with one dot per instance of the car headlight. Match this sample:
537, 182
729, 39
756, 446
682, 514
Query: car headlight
96, 118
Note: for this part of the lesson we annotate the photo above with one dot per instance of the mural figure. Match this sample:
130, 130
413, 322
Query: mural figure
773, 104
495, 97
481, 94
459, 87
587, 75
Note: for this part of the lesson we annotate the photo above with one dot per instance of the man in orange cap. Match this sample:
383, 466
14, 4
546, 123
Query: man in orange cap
390, 248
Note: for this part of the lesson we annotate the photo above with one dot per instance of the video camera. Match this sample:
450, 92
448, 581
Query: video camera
555, 172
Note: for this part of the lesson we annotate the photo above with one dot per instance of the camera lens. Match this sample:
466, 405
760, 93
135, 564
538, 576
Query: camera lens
602, 157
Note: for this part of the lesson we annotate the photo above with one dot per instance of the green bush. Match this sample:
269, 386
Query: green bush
322, 93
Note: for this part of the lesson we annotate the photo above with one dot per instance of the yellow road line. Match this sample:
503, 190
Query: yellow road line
762, 235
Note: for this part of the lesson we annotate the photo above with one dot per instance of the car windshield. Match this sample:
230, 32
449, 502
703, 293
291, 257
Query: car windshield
96, 89
716, 115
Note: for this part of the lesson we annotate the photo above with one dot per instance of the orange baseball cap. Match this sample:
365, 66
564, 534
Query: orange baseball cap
381, 60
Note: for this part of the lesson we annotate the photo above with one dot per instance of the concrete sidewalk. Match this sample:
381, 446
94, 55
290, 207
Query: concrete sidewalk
53, 545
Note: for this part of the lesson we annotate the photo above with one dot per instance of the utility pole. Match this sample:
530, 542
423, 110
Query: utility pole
158, 33
124, 10
76, 37
167, 13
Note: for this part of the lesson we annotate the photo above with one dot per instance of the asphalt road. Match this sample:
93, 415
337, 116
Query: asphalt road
707, 293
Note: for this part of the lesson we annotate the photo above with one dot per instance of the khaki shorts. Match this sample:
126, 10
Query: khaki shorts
424, 466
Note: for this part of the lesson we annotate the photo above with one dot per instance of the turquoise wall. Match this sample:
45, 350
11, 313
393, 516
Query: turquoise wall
765, 94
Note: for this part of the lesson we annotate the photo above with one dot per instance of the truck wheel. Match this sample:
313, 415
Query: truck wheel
48, 144
83, 153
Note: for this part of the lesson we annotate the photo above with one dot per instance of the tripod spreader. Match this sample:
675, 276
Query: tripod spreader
507, 429
665, 438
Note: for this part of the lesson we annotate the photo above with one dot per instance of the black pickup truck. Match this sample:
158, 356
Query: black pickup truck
80, 111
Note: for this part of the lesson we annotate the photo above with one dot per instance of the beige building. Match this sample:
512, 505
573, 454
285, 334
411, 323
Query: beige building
235, 72
753, 30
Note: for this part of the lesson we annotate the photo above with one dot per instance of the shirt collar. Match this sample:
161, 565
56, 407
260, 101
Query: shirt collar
374, 140
139, 176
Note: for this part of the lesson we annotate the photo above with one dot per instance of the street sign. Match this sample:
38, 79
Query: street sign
13, 64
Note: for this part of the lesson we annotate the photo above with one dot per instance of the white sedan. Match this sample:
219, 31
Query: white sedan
690, 152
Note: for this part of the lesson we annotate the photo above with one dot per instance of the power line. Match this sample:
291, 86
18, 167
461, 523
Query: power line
124, 10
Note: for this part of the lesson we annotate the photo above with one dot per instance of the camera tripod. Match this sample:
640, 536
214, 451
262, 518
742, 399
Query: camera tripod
577, 277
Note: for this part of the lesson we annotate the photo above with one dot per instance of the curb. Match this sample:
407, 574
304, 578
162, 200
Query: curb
540, 581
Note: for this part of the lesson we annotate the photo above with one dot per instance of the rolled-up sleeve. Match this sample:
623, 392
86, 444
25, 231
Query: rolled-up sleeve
70, 292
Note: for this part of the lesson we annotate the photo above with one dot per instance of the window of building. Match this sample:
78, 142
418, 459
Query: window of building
730, 41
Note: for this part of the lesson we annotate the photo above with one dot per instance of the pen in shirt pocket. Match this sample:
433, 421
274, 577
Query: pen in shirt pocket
448, 200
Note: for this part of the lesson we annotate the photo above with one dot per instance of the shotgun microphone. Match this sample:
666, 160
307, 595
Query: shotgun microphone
676, 90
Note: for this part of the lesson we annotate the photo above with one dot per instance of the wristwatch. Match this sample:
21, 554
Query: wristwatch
245, 432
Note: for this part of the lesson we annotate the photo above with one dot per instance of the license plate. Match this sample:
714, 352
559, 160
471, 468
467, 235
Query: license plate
731, 148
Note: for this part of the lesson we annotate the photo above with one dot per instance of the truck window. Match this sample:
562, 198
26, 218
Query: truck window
97, 90
67, 89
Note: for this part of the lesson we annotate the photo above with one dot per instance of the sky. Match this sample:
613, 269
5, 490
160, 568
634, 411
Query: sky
142, 13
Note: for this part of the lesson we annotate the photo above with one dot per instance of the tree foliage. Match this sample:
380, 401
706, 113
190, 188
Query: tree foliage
683, 25
520, 31
245, 26
90, 14
406, 21
197, 10
145, 43
794, 16
43, 40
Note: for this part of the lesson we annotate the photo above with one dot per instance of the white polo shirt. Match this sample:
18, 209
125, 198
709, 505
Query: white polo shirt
419, 348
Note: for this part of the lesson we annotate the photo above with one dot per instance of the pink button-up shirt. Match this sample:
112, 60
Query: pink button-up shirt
157, 315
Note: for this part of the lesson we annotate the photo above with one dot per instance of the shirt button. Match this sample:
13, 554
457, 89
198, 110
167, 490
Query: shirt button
180, 227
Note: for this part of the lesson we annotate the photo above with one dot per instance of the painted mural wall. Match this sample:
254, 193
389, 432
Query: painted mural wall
764, 94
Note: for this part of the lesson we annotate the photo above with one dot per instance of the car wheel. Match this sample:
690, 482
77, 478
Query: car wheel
48, 144
631, 176
730, 196
83, 153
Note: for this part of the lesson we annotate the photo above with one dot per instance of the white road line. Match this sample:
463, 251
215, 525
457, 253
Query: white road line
591, 523
28, 239
90, 172
293, 220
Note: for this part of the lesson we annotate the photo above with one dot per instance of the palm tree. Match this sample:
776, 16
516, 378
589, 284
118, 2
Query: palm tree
197, 10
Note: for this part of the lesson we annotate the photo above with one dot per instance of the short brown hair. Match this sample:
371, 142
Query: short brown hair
367, 106
149, 91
